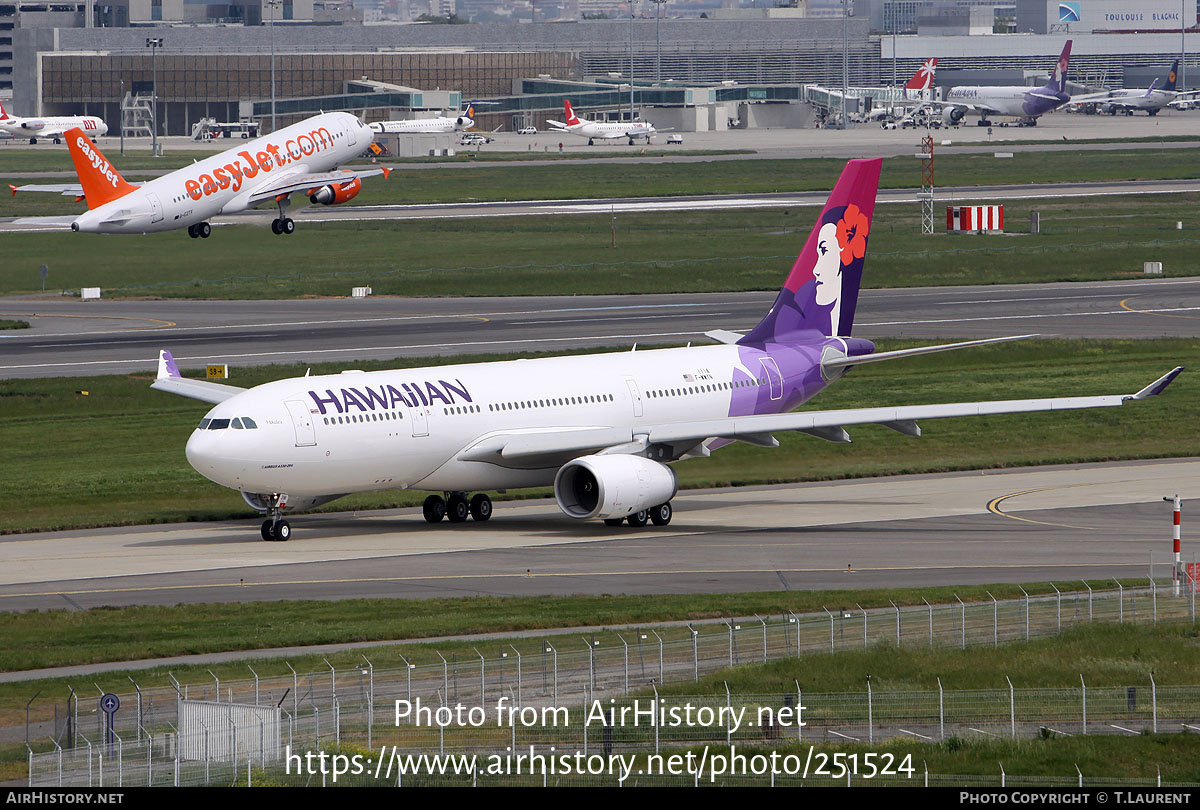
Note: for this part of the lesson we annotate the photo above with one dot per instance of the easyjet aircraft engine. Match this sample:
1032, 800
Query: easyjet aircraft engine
335, 194
612, 487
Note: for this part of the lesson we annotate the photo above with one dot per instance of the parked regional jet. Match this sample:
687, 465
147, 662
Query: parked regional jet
1151, 100
920, 84
429, 125
602, 429
594, 129
301, 158
1026, 103
54, 126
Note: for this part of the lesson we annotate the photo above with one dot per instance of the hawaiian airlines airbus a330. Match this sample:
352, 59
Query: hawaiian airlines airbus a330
301, 158
601, 428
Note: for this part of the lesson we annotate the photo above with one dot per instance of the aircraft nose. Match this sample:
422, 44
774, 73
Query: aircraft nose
201, 454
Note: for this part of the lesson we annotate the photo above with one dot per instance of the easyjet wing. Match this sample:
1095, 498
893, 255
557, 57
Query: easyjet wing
290, 183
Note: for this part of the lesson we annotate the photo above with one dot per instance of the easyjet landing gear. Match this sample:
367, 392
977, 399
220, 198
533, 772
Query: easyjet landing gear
457, 507
283, 225
201, 230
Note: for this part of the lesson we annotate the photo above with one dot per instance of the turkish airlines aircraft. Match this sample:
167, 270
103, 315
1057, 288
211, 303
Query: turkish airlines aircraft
303, 157
428, 125
594, 129
601, 428
1026, 103
54, 126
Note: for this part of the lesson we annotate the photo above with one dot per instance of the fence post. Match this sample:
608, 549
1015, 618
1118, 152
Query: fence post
408, 678
1026, 612
1080, 774
295, 690
1057, 608
1153, 602
764, 624
897, 622
623, 642
332, 680
1012, 707
830, 628
255, 674
941, 711
1083, 684
445, 675
660, 655
870, 712
518, 652
1089, 587
1154, 702
656, 709
864, 613
796, 621
729, 624
963, 615
1002, 775
370, 701
1120, 602
799, 712
729, 708
695, 653
591, 664
218, 682
482, 680
929, 607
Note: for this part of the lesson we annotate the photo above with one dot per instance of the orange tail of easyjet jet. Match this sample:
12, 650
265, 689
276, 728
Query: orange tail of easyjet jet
572, 119
101, 182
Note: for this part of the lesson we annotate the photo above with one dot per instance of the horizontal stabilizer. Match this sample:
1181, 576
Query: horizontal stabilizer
877, 357
724, 336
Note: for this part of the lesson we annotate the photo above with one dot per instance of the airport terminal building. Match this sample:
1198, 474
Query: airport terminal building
325, 58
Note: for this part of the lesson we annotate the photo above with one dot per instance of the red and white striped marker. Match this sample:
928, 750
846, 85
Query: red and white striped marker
1175, 532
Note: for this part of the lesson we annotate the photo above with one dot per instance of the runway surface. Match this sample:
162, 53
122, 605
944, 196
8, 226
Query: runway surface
68, 337
1037, 524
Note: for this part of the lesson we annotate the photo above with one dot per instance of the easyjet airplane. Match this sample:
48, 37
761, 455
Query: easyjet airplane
602, 429
269, 170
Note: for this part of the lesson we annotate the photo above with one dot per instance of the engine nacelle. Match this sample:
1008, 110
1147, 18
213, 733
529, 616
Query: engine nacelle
260, 503
612, 486
335, 193
952, 115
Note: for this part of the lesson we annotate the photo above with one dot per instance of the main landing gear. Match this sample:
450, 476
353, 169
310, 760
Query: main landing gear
201, 230
457, 508
283, 225
659, 515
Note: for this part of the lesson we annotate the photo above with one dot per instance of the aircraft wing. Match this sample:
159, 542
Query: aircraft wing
546, 448
1090, 98
290, 183
557, 124
170, 380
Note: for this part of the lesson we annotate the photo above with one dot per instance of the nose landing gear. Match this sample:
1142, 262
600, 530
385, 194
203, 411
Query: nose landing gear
275, 528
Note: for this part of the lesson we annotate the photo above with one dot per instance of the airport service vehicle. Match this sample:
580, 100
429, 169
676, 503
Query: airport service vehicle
303, 157
1151, 100
429, 125
474, 139
527, 131
53, 126
1025, 103
592, 130
602, 429
674, 139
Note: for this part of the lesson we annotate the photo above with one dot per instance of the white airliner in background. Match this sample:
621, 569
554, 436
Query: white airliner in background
593, 129
1150, 100
601, 428
428, 125
53, 126
301, 158
1026, 103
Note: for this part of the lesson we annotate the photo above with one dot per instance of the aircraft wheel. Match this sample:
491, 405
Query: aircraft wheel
58, 140
192, 232
481, 507
282, 532
589, 141
661, 514
434, 509
457, 508
33, 141
266, 531
638, 519
275, 227
287, 226
613, 521
203, 230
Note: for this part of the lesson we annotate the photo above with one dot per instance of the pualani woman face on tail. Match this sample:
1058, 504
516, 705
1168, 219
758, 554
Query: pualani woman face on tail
840, 241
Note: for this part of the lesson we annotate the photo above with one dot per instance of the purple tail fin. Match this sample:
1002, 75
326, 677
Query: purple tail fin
820, 294
1058, 79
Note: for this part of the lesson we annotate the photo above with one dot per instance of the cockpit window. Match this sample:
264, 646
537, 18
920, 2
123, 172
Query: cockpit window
249, 423
236, 424
204, 424
218, 424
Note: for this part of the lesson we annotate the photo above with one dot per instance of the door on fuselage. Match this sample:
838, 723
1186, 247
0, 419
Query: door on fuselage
306, 432
420, 420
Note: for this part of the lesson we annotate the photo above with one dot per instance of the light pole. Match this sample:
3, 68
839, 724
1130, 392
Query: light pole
272, 4
845, 60
154, 43
632, 4
658, 4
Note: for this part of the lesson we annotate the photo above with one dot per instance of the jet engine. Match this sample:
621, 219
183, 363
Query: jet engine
335, 193
952, 115
32, 124
612, 486
260, 502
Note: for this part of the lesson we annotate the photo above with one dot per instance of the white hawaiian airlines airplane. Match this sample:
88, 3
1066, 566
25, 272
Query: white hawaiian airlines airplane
54, 126
602, 429
428, 125
594, 129
301, 158
1026, 103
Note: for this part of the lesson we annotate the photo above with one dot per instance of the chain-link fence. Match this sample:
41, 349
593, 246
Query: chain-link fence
359, 705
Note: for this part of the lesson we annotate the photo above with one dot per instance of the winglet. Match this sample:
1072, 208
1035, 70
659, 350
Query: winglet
387, 172
166, 365
1158, 386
